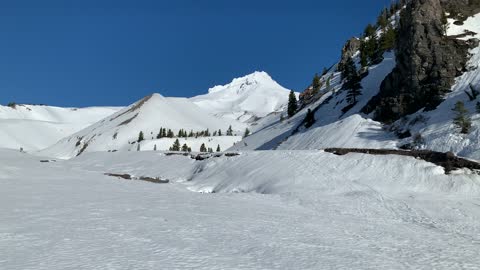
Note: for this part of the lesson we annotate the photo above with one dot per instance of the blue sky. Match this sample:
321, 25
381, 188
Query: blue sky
114, 52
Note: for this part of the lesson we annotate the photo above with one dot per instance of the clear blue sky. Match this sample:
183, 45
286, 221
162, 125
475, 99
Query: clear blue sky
114, 52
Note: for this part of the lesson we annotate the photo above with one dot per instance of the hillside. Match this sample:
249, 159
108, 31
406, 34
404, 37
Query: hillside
34, 127
431, 126
121, 130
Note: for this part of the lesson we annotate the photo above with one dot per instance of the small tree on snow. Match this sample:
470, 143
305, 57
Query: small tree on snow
309, 119
247, 133
203, 148
230, 131
140, 136
462, 120
185, 148
176, 146
218, 148
292, 104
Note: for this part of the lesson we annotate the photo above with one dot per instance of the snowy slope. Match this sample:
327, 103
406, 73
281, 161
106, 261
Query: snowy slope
302, 210
121, 130
34, 127
245, 99
333, 127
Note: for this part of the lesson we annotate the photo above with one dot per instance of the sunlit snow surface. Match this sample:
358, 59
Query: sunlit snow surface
270, 210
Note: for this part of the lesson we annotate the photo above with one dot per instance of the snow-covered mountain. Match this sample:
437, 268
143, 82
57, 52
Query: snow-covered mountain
34, 127
121, 130
245, 99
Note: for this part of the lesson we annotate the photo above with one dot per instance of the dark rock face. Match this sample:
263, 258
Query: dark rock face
349, 50
427, 62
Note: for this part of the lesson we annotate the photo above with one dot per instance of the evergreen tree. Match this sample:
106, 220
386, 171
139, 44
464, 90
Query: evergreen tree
159, 136
387, 41
210, 150
218, 148
185, 148
164, 133
219, 132
155, 147
203, 149
170, 134
140, 136
189, 149
138, 147
176, 146
230, 131
355, 89
382, 20
462, 120
292, 104
370, 31
353, 82
328, 83
316, 84
309, 119
214, 133
247, 133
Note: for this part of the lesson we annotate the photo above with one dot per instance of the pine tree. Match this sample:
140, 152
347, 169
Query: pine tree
203, 149
219, 132
185, 148
247, 133
309, 119
218, 148
387, 41
370, 31
462, 120
164, 133
176, 146
292, 104
155, 147
230, 131
355, 89
210, 150
328, 83
159, 135
170, 134
140, 136
316, 84
382, 20
214, 133
353, 82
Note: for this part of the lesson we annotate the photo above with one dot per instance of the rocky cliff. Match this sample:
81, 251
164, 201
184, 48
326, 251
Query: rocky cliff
427, 60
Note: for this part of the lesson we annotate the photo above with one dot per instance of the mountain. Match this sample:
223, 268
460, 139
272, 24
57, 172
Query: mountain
121, 130
408, 94
245, 99
34, 127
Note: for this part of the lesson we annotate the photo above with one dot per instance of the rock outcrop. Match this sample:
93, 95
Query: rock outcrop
427, 61
350, 48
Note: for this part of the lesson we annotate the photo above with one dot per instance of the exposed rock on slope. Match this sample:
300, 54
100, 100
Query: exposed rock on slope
427, 63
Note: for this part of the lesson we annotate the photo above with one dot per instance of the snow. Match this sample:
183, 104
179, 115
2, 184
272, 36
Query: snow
245, 99
34, 127
120, 131
333, 128
270, 210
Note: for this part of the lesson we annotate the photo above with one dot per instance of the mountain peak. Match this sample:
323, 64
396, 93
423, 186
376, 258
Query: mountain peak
255, 78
